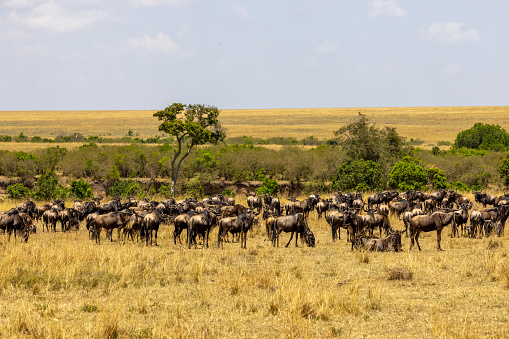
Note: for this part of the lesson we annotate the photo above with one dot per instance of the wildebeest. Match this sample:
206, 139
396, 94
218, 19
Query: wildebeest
390, 242
108, 222
460, 219
295, 223
485, 198
254, 202
199, 224
17, 222
321, 207
335, 220
150, 225
427, 223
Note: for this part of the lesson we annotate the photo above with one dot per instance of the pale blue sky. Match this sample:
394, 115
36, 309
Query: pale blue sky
147, 54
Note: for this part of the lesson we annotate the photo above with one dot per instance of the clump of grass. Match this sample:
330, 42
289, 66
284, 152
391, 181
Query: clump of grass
398, 273
363, 257
493, 244
89, 308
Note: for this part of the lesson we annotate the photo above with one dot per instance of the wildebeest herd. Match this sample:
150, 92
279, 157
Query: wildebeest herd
361, 218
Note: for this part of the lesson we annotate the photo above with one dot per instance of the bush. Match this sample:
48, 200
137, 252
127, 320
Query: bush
81, 189
125, 188
407, 174
436, 178
460, 186
18, 191
269, 186
364, 174
483, 137
47, 186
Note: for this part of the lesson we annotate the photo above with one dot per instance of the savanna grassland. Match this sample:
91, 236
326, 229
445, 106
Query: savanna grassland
64, 285
429, 124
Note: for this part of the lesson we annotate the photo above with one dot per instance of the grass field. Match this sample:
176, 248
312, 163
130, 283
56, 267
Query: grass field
429, 124
63, 285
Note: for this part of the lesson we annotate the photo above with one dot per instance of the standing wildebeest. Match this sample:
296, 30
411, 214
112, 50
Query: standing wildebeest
438, 196
460, 219
321, 207
181, 221
27, 207
49, 219
17, 222
228, 224
66, 217
485, 199
295, 223
150, 224
427, 223
109, 222
355, 224
335, 220
373, 220
199, 224
398, 207
254, 202
304, 206
39, 210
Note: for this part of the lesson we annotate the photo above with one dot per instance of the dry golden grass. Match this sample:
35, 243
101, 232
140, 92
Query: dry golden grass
430, 124
63, 285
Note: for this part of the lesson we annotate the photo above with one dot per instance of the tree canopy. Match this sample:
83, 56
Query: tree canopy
191, 125
364, 140
484, 137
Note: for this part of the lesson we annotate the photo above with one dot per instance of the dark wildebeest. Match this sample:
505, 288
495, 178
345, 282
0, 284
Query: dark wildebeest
438, 196
109, 222
485, 199
295, 223
390, 242
354, 223
199, 224
321, 207
150, 224
228, 224
427, 223
27, 207
49, 219
181, 222
66, 218
14, 221
254, 202
460, 219
373, 220
304, 206
39, 210
335, 220
398, 207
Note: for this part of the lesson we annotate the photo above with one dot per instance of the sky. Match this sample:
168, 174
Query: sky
147, 54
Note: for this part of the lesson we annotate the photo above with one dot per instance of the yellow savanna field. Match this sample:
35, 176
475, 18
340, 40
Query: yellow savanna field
429, 124
64, 285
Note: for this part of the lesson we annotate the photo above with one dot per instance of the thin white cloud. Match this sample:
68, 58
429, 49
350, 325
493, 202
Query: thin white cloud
51, 17
450, 32
452, 69
156, 3
160, 43
388, 67
16, 3
327, 47
239, 11
387, 8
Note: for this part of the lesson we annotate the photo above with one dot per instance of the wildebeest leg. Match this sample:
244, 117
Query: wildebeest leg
296, 238
439, 237
333, 229
291, 237
417, 239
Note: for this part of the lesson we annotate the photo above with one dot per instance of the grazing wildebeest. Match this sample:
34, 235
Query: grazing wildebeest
427, 223
295, 223
14, 221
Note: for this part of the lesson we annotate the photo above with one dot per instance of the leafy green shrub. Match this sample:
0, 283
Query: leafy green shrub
460, 186
47, 188
165, 191
81, 189
354, 172
125, 188
436, 178
18, 191
503, 169
269, 186
407, 174
484, 137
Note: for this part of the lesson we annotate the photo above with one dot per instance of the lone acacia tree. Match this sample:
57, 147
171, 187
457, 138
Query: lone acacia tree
191, 125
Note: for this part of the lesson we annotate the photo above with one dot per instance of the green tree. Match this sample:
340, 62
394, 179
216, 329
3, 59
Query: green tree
47, 187
364, 140
408, 174
18, 191
358, 174
484, 137
436, 178
81, 189
269, 186
503, 169
191, 125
